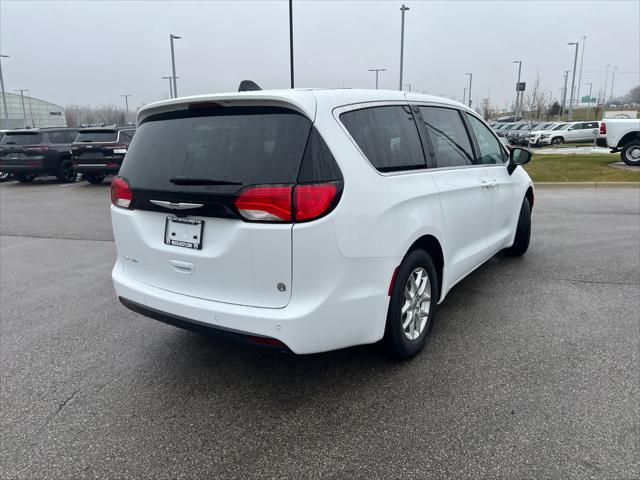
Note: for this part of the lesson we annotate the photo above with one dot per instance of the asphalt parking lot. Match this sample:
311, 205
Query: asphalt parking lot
532, 370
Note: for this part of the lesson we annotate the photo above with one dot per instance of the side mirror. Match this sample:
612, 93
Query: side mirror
518, 156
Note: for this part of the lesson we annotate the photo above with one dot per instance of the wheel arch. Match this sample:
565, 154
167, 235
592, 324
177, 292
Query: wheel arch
529, 195
629, 137
432, 246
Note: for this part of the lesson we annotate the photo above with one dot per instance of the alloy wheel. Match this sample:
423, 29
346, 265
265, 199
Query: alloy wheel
417, 302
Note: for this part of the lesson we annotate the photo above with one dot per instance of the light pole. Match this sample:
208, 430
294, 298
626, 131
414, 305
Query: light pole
584, 39
126, 102
564, 93
573, 79
606, 82
170, 85
173, 37
290, 41
464, 95
4, 96
470, 79
24, 111
408, 85
613, 79
519, 62
402, 10
377, 70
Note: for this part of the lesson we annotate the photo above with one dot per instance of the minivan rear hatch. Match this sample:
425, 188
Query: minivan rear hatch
185, 169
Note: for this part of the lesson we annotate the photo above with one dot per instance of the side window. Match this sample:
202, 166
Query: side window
448, 135
318, 164
124, 137
58, 137
491, 151
388, 136
71, 136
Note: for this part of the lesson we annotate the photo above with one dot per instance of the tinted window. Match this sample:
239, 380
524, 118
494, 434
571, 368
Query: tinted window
21, 139
448, 135
590, 125
247, 145
318, 164
96, 136
491, 151
388, 136
58, 137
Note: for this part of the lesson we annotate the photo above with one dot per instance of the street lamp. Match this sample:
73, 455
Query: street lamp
290, 41
613, 79
402, 10
584, 39
126, 102
377, 70
24, 110
464, 95
170, 85
564, 92
173, 37
4, 96
470, 79
573, 79
408, 85
519, 62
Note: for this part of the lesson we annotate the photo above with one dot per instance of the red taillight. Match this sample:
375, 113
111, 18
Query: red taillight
603, 128
35, 148
121, 194
313, 201
265, 203
286, 203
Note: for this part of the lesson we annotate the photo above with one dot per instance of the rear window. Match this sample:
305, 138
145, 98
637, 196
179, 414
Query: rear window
21, 139
388, 136
96, 136
241, 145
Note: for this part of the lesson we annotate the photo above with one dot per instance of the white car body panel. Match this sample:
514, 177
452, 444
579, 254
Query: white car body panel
338, 268
618, 128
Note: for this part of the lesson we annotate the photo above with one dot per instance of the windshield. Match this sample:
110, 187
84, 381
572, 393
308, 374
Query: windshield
233, 146
96, 136
21, 138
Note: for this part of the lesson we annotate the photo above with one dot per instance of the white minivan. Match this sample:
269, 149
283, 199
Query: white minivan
312, 220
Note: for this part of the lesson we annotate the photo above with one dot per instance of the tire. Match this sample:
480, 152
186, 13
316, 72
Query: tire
25, 178
557, 140
631, 153
65, 171
4, 176
417, 265
94, 179
523, 232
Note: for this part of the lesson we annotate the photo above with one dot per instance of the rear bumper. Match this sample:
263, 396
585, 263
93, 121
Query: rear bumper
341, 317
21, 169
95, 169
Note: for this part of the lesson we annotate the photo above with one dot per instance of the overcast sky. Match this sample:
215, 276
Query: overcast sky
90, 52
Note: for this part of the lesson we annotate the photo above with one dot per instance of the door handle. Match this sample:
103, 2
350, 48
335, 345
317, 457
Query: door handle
489, 184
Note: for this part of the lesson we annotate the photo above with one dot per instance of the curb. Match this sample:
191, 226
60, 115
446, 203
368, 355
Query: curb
587, 185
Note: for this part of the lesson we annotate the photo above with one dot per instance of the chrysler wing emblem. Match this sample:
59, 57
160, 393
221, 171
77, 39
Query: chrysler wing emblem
176, 205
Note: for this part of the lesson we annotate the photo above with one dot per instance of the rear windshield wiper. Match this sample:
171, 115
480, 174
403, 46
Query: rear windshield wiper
200, 181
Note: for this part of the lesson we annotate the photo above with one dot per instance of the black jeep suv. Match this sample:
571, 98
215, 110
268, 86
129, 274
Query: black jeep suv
98, 152
38, 151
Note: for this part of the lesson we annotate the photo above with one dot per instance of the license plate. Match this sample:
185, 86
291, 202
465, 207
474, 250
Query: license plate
183, 232
14, 156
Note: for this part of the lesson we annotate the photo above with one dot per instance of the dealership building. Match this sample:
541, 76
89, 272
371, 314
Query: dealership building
25, 111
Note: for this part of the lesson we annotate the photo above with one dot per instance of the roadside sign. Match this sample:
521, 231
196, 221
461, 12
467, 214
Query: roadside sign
521, 86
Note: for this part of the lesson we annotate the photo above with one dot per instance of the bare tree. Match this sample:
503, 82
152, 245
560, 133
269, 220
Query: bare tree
536, 101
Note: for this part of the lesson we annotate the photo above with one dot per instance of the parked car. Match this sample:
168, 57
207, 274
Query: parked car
572, 132
312, 220
27, 153
534, 135
503, 131
515, 134
4, 176
525, 132
98, 152
623, 135
509, 119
